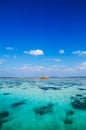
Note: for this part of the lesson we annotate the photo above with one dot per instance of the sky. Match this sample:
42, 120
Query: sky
42, 38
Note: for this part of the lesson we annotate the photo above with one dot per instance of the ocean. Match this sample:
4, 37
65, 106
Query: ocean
34, 104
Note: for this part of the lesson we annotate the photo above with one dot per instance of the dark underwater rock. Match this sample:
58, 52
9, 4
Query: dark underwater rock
4, 114
79, 103
79, 95
6, 93
72, 97
11, 86
18, 83
14, 105
49, 88
68, 121
44, 109
71, 84
3, 121
69, 113
65, 87
81, 89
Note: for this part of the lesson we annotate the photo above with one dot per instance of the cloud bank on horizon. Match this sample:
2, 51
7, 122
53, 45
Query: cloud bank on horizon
79, 52
51, 67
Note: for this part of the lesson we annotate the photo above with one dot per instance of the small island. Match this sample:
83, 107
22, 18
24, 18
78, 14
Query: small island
44, 78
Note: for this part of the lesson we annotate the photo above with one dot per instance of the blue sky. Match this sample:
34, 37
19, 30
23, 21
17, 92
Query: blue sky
42, 37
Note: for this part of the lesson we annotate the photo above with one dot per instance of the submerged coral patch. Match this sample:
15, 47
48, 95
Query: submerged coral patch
14, 105
79, 103
44, 109
4, 114
6, 93
81, 89
50, 88
68, 121
79, 95
69, 113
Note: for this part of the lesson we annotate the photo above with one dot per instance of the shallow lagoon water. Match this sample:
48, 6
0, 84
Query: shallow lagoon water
34, 104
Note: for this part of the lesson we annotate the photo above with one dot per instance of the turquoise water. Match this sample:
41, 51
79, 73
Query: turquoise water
34, 104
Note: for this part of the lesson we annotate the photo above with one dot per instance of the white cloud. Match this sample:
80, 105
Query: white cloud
79, 70
39, 70
61, 51
58, 66
28, 67
9, 48
34, 52
58, 60
79, 52
82, 66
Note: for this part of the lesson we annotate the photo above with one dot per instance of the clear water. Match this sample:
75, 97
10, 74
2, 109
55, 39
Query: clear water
34, 104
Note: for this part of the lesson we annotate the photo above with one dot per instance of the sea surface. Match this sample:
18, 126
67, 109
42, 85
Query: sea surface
34, 104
